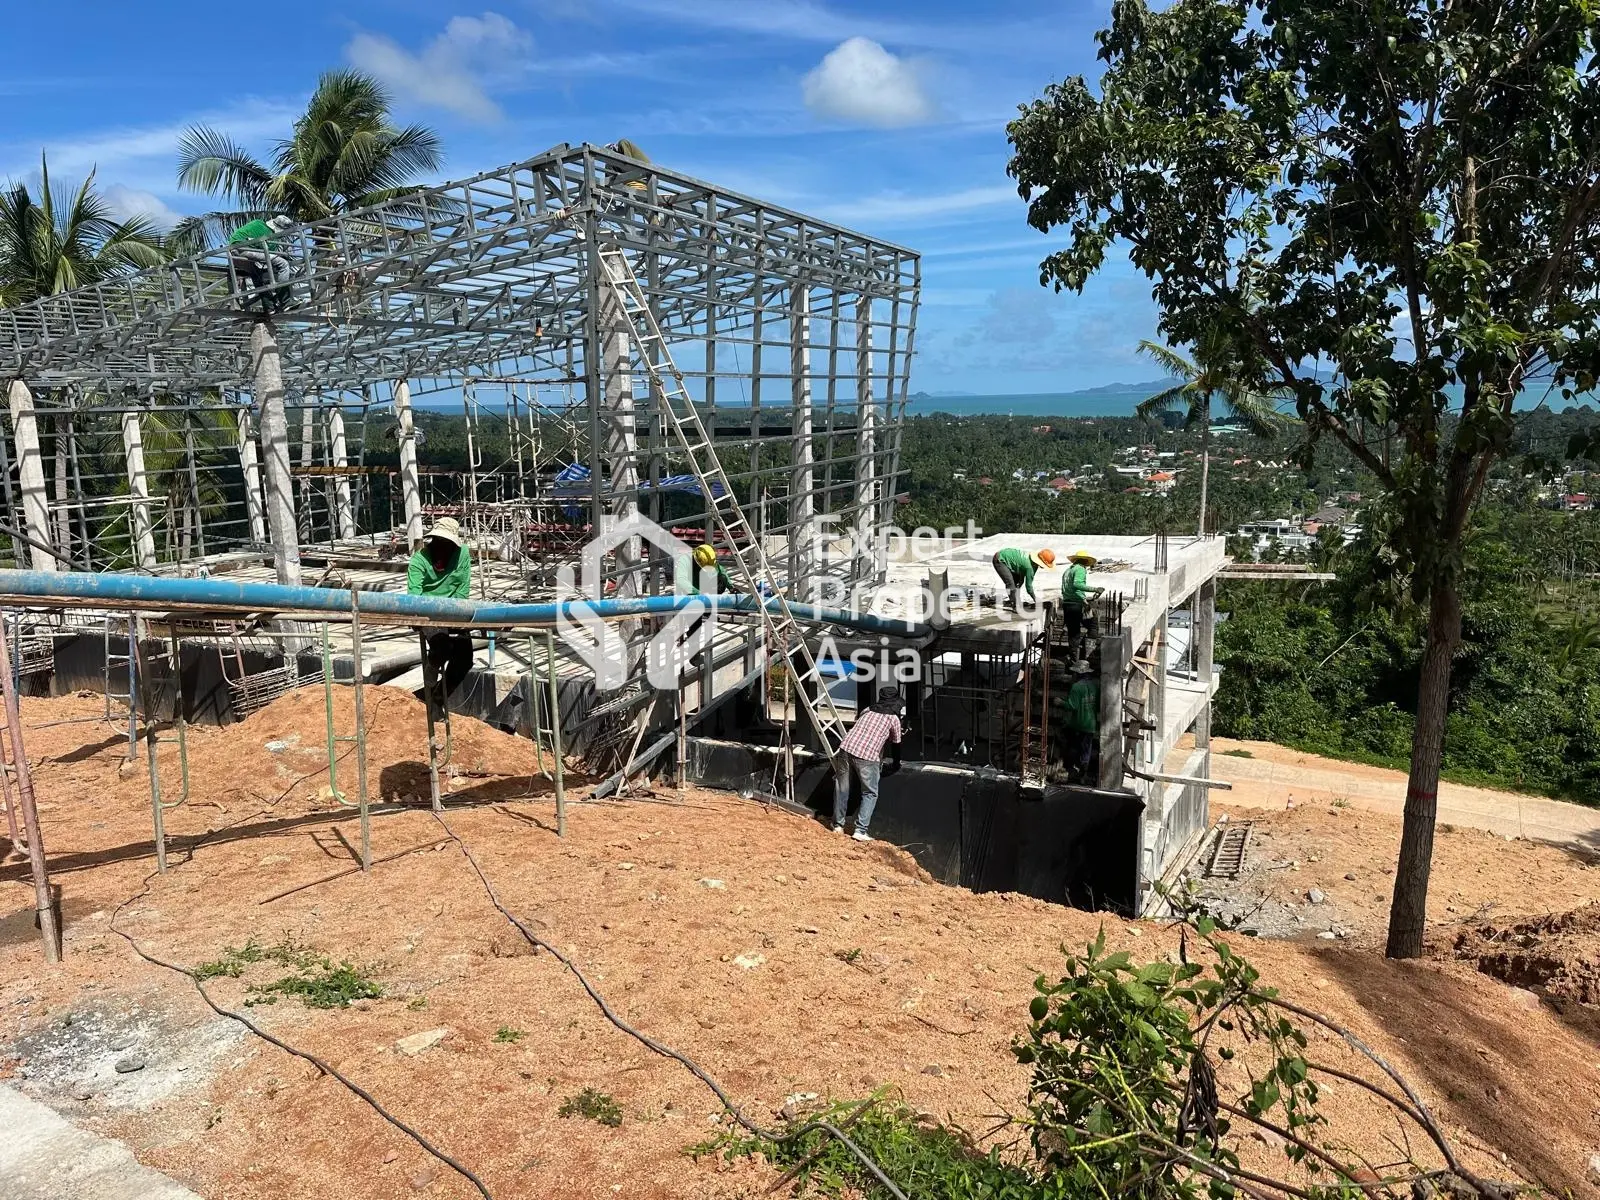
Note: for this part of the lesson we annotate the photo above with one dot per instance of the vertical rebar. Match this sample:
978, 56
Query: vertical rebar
361, 729
179, 721
555, 732
157, 817
428, 676
327, 703
43, 901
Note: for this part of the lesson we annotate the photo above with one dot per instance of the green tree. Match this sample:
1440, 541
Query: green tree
343, 153
66, 238
1208, 380
1392, 208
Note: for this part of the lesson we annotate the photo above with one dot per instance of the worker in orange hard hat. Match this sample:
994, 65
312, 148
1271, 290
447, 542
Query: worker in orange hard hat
1017, 568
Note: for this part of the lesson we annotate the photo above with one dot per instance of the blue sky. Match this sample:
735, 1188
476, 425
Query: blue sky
886, 116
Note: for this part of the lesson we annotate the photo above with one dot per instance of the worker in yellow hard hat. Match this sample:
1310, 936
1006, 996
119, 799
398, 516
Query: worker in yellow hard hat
1075, 596
705, 559
1016, 569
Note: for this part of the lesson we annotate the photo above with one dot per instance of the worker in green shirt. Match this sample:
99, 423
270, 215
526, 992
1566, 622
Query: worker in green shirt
1075, 596
261, 262
1079, 712
442, 567
705, 558
1016, 569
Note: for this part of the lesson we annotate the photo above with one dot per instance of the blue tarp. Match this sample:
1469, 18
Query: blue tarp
572, 483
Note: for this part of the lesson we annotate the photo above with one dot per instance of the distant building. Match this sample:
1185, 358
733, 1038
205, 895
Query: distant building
1062, 484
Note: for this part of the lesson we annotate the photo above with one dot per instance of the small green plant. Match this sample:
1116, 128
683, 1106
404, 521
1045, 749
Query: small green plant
417, 1003
508, 1036
320, 985
1239, 752
316, 980
1340, 802
593, 1106
851, 956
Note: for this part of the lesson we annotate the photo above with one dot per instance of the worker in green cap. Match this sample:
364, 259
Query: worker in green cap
1079, 712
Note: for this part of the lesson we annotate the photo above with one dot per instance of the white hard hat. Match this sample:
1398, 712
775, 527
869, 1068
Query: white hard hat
280, 223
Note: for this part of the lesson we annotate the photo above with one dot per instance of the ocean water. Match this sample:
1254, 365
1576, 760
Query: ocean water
1098, 402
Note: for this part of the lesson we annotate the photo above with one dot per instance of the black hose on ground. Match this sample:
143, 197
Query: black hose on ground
326, 1068
662, 1048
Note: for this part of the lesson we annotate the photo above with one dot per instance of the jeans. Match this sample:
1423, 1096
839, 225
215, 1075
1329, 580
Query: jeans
867, 771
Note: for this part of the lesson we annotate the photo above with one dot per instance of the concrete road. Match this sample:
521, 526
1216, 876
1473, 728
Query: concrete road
1273, 776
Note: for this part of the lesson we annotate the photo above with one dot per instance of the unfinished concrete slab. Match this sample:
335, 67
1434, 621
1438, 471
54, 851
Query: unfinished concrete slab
43, 1156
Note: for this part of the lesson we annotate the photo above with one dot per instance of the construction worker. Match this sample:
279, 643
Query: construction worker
1016, 570
255, 261
861, 756
705, 558
1080, 712
442, 567
1075, 595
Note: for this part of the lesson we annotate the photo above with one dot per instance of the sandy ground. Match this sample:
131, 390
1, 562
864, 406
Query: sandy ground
1275, 776
725, 929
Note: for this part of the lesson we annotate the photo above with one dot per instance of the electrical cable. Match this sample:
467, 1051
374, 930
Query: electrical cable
662, 1048
321, 1065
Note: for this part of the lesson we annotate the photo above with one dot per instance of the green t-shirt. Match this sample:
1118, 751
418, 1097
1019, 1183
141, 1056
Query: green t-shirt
252, 231
1021, 563
423, 580
1082, 706
1075, 589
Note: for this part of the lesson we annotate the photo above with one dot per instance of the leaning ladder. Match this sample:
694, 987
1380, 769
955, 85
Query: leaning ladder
778, 621
114, 658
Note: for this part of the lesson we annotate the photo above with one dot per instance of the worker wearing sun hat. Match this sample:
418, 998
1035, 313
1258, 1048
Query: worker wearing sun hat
1016, 569
1076, 594
442, 567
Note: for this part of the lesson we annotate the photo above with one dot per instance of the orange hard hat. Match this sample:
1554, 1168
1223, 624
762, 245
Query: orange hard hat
1046, 558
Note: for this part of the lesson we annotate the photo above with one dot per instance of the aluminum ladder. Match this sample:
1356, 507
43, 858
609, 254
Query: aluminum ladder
779, 624
114, 659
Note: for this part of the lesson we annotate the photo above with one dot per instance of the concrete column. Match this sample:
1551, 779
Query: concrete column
1157, 708
619, 433
866, 447
30, 472
802, 482
410, 492
250, 470
344, 515
279, 481
140, 522
1204, 633
1113, 671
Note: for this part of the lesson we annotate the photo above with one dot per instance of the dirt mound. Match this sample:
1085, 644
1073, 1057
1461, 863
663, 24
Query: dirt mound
1557, 954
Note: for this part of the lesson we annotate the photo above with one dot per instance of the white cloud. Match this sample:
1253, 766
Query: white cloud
859, 80
126, 202
452, 72
904, 209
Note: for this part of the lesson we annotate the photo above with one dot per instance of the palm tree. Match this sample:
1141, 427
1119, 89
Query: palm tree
344, 153
65, 239
1212, 378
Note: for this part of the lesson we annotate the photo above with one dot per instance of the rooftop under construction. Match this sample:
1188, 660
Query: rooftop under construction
623, 343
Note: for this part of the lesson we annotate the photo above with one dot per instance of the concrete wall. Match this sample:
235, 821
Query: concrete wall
971, 828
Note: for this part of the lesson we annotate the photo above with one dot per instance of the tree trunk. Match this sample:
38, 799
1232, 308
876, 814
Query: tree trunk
1205, 467
1409, 910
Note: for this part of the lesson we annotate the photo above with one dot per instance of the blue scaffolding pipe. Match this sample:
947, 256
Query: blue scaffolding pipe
82, 589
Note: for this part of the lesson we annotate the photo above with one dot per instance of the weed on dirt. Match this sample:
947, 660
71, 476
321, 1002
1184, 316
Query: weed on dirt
592, 1105
316, 981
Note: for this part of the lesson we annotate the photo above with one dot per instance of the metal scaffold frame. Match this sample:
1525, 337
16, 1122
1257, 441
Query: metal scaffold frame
794, 337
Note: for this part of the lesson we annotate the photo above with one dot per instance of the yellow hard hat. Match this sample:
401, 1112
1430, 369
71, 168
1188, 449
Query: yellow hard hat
705, 556
1084, 556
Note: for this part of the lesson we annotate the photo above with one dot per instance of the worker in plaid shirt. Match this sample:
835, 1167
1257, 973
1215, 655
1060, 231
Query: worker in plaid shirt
862, 756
